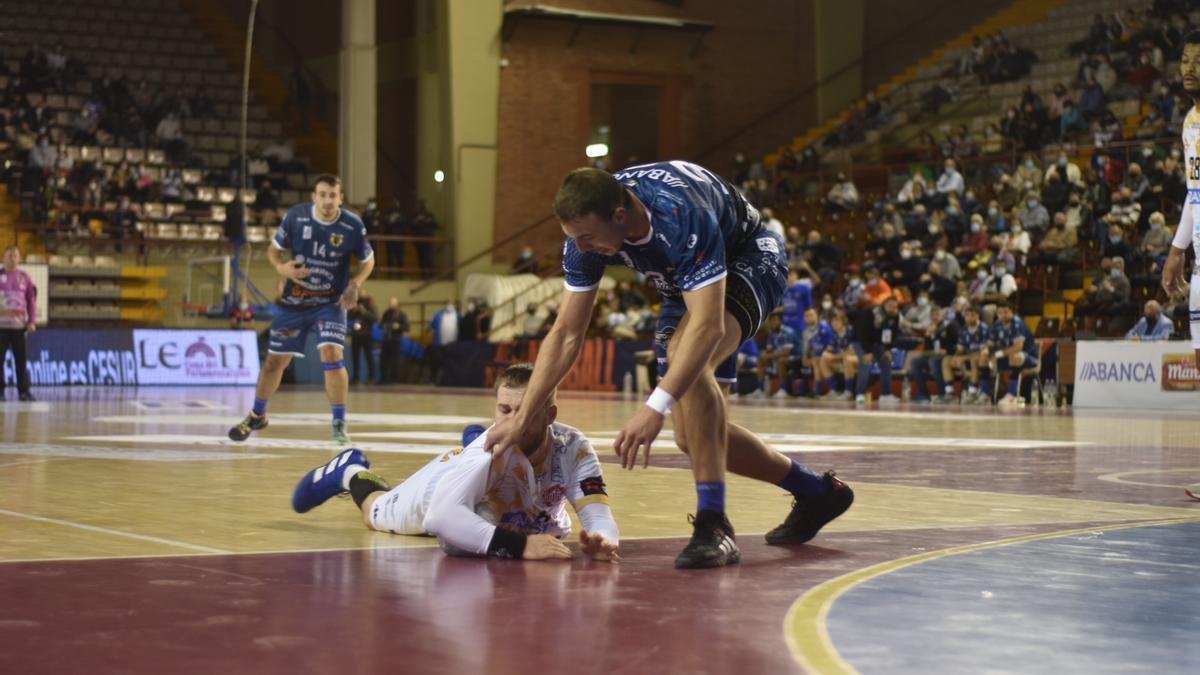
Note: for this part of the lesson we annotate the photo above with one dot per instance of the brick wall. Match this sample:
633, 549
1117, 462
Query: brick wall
749, 64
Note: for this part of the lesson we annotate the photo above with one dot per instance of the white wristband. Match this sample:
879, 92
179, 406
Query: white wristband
660, 401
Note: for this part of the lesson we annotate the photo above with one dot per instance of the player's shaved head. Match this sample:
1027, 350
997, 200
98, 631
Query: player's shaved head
517, 376
589, 191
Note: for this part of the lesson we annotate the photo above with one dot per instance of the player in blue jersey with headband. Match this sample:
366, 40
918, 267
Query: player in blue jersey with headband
704, 247
319, 237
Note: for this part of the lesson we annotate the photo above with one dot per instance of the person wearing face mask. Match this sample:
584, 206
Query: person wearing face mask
1115, 245
1155, 242
828, 308
997, 288
1055, 193
242, 316
1029, 173
875, 290
1077, 212
1059, 246
916, 317
951, 181
1017, 242
526, 263
1152, 326
1034, 216
395, 327
940, 339
1006, 194
974, 241
1137, 182
948, 266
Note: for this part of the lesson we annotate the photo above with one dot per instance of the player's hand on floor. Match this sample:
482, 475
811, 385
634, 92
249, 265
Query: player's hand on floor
293, 270
597, 547
641, 429
546, 547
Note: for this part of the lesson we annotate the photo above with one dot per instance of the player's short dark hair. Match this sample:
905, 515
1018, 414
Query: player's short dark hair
1192, 38
589, 190
328, 179
517, 376
1002, 305
971, 309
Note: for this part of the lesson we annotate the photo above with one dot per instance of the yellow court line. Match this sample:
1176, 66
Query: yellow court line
805, 629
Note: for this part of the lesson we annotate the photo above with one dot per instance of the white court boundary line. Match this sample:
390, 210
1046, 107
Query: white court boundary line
116, 533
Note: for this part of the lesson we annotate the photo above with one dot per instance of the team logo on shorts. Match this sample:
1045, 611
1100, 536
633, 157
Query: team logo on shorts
768, 244
336, 239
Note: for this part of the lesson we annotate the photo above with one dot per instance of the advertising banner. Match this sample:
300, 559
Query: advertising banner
1152, 375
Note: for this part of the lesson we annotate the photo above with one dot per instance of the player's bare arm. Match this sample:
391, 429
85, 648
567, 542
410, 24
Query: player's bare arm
694, 352
555, 358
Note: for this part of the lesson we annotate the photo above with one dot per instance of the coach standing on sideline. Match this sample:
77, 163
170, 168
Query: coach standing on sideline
18, 316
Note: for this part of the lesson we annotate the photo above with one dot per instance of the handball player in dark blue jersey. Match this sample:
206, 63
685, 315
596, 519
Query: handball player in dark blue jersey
313, 248
719, 274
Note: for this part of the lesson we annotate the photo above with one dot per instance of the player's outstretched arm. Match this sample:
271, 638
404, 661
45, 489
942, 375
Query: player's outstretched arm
704, 331
555, 358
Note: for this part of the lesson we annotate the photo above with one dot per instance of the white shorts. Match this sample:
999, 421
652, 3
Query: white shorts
402, 509
1194, 309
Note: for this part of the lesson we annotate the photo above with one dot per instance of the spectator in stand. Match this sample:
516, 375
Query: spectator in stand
394, 224
1152, 326
905, 271
1006, 195
914, 189
887, 215
395, 327
1144, 74
170, 137
875, 330
1017, 242
916, 317
531, 323
43, 155
771, 223
824, 257
1109, 294
1072, 120
200, 104
1116, 246
1016, 351
1091, 101
1034, 216
1060, 246
123, 221
948, 267
526, 263
997, 288
875, 290
1155, 242
241, 317
836, 356
1055, 193
950, 183
172, 186
975, 241
1125, 212
266, 202
993, 140
843, 196
940, 338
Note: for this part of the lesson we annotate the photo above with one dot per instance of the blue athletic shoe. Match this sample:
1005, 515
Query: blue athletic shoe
471, 433
325, 482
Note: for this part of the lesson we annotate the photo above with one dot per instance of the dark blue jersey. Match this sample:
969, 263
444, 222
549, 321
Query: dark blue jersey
834, 343
1004, 334
972, 340
796, 301
696, 217
783, 340
818, 338
324, 249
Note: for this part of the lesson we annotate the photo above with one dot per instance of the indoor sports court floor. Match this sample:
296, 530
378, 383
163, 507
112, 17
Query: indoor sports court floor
137, 538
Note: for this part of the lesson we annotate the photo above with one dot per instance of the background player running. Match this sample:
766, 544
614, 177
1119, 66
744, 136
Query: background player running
507, 505
321, 237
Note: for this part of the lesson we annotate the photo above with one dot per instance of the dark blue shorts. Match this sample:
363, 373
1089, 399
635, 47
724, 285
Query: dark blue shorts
754, 287
289, 328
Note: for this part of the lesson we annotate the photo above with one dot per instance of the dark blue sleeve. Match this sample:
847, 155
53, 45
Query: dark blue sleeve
699, 253
364, 251
581, 271
283, 236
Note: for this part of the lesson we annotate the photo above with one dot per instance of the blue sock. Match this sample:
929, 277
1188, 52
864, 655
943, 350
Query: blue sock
985, 386
710, 495
802, 482
339, 413
260, 406
830, 383
1012, 386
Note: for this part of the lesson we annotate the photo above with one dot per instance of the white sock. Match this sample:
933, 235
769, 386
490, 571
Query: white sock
351, 471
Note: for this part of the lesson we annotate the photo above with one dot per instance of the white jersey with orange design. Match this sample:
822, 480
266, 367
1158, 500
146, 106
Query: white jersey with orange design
1188, 232
462, 496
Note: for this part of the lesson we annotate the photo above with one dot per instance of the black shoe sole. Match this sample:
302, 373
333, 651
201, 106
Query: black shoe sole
708, 563
788, 539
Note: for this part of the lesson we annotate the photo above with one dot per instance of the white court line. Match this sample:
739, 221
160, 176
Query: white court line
128, 454
255, 443
116, 533
1119, 477
291, 419
877, 441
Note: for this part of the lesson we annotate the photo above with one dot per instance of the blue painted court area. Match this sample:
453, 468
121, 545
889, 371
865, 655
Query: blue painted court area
1117, 601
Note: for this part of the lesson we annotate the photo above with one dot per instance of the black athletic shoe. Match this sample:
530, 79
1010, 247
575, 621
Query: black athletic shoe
252, 422
27, 397
712, 543
810, 514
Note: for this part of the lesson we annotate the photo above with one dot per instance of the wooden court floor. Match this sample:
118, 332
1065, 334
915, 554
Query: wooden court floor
137, 538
